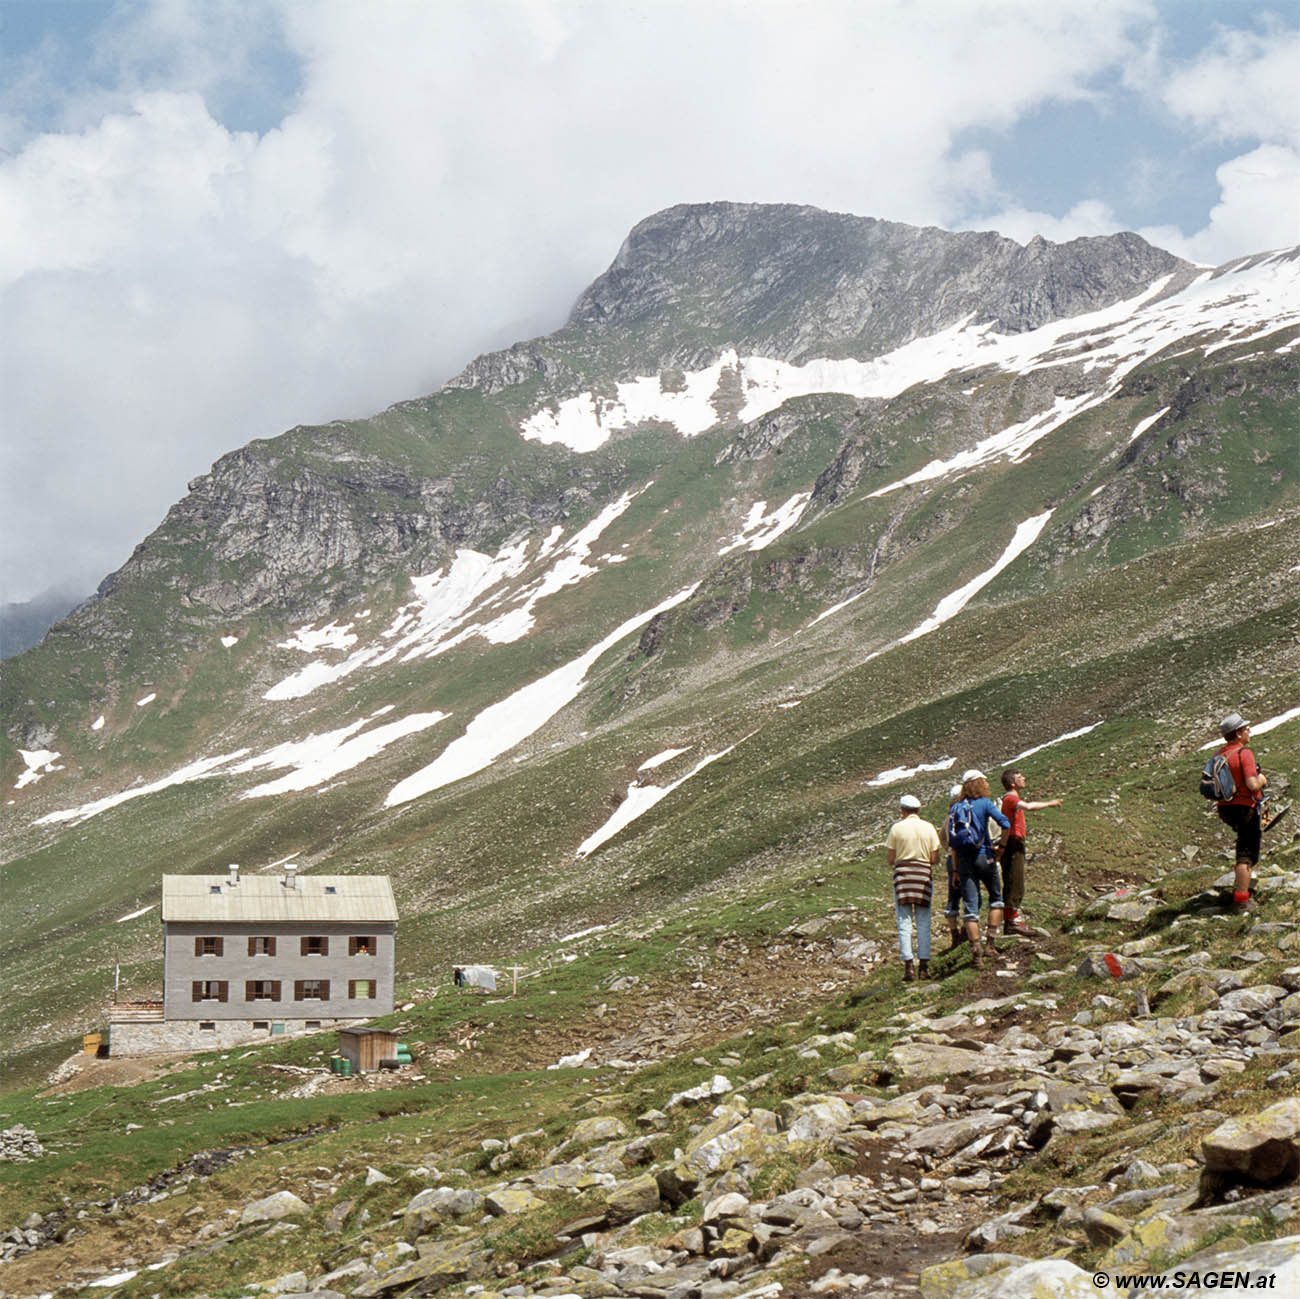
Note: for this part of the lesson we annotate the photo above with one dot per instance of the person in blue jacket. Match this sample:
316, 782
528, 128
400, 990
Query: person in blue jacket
977, 863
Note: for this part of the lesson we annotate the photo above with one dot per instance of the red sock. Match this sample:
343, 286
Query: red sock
1239, 896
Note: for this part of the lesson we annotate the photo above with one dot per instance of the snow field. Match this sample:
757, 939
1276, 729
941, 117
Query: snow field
437, 618
500, 726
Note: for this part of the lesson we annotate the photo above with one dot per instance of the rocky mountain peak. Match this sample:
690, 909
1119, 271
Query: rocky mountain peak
793, 283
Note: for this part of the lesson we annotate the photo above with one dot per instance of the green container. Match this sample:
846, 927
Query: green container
345, 1067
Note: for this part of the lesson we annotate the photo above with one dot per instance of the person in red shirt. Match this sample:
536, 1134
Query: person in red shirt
1013, 847
1241, 812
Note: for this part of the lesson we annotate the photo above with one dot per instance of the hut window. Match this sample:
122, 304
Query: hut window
261, 945
262, 990
311, 1023
209, 989
361, 945
207, 1026
207, 946
262, 1023
358, 988
311, 990
315, 945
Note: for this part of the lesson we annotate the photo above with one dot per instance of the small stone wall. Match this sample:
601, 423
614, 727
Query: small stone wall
159, 1037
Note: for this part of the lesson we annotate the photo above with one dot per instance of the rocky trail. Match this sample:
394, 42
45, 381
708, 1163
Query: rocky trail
1078, 1108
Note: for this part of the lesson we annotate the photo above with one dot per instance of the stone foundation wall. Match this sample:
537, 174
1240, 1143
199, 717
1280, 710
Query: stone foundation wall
158, 1037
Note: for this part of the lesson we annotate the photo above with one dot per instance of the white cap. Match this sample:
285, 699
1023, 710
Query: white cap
972, 773
910, 801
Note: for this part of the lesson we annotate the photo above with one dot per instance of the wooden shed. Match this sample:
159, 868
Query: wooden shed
366, 1047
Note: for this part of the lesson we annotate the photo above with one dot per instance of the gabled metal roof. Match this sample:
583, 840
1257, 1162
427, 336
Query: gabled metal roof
268, 898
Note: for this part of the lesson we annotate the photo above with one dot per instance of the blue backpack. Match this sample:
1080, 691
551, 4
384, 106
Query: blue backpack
962, 831
1216, 779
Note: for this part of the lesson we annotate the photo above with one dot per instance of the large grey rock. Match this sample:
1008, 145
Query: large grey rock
283, 1204
1263, 1147
944, 1139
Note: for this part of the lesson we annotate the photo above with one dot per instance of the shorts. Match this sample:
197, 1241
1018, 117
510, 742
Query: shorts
1249, 829
972, 875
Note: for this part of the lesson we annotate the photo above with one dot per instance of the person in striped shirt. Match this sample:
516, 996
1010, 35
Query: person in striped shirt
913, 847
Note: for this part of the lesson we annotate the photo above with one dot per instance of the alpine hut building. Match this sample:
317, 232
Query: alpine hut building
251, 956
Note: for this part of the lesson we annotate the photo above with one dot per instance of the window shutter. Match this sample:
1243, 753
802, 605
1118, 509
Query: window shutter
304, 946
324, 946
374, 988
352, 946
270, 946
352, 989
250, 990
252, 945
196, 990
324, 989
198, 945
275, 989
221, 942
223, 990
297, 987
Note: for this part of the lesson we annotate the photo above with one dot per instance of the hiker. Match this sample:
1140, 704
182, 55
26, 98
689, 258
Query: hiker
913, 852
1012, 856
1241, 812
952, 912
968, 832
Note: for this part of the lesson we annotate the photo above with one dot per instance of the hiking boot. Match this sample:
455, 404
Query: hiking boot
1245, 908
924, 971
909, 972
956, 937
976, 956
1015, 925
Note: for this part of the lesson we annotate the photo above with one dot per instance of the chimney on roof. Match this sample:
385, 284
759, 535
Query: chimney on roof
234, 875
291, 876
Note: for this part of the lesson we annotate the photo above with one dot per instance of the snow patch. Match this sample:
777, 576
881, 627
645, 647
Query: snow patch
230, 641
198, 770
1145, 424
148, 699
98, 723
1060, 739
319, 758
144, 911
660, 758
951, 605
311, 640
895, 774
39, 762
761, 530
640, 799
500, 726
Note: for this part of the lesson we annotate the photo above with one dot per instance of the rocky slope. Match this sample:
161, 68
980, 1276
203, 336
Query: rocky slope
1129, 1113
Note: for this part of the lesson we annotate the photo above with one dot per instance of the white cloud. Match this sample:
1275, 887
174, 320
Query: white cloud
1258, 209
1243, 87
1090, 217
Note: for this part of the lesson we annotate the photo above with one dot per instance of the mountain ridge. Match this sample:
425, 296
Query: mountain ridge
330, 612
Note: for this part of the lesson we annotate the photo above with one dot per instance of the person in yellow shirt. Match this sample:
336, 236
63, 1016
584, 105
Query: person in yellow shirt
913, 847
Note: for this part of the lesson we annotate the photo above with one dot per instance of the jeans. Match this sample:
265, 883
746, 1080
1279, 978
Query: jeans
972, 875
903, 911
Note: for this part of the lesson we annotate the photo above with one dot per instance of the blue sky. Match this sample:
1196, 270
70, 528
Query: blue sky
220, 218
